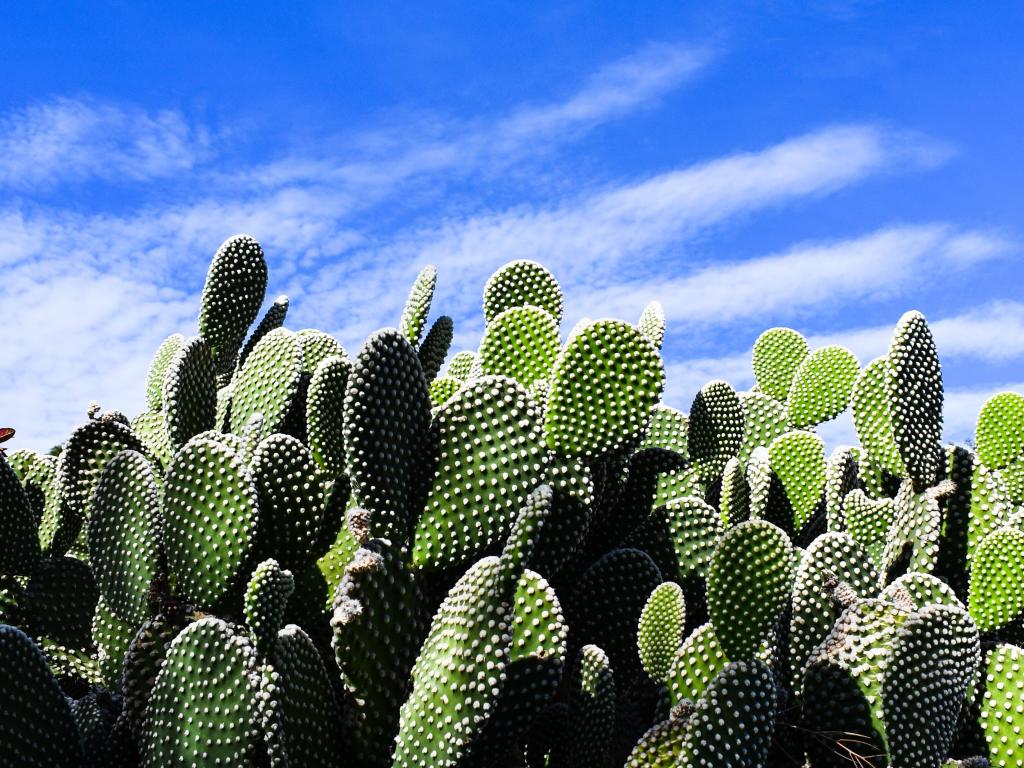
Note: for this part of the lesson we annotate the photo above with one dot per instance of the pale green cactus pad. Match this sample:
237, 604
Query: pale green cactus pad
268, 382
519, 284
822, 386
521, 343
417, 305
778, 353
660, 631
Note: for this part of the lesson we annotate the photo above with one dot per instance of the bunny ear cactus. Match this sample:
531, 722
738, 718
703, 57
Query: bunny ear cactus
660, 630
273, 318
435, 346
19, 550
417, 305
592, 719
997, 582
821, 386
520, 284
695, 665
764, 420
778, 353
873, 418
266, 598
189, 392
1000, 439
715, 429
603, 387
165, 353
268, 382
652, 323
325, 402
1002, 712
521, 343
234, 290
797, 459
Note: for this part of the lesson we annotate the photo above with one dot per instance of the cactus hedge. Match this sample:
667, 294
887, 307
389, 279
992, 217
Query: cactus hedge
512, 556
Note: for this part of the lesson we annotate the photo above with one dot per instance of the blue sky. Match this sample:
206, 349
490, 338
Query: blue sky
822, 165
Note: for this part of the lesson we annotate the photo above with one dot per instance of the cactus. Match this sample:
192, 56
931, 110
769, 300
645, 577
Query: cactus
821, 386
268, 382
660, 630
520, 284
715, 429
521, 343
417, 305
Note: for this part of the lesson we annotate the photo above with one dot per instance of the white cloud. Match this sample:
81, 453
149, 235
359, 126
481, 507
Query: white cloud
74, 140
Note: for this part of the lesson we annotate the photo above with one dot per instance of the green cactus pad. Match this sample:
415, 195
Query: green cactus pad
387, 418
568, 523
490, 457
142, 664
831, 556
1002, 706
1000, 431
695, 665
435, 346
36, 726
19, 550
461, 364
272, 319
234, 290
922, 589
660, 631
112, 636
734, 500
417, 305
60, 600
38, 475
759, 481
873, 419
592, 722
442, 389
603, 387
749, 581
914, 379
291, 502
997, 582
734, 721
695, 528
317, 346
308, 710
990, 504
652, 323
868, 521
667, 428
79, 466
842, 475
934, 658
325, 414
521, 343
190, 393
202, 710
266, 599
716, 429
458, 676
210, 510
912, 542
661, 746
798, 460
764, 419
778, 353
519, 284
124, 534
378, 624
822, 386
166, 352
268, 382
150, 429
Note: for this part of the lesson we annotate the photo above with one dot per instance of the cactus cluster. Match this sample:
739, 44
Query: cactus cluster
513, 556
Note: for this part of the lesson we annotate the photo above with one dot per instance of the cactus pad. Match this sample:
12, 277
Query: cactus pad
266, 598
873, 419
778, 353
519, 284
716, 429
521, 343
660, 630
434, 348
997, 582
155, 377
19, 550
798, 460
1002, 707
268, 382
190, 392
822, 386
652, 323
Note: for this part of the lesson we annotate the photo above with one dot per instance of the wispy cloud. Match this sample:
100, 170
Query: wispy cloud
75, 140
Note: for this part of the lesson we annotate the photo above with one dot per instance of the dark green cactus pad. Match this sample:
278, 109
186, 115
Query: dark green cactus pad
521, 343
914, 379
519, 284
150, 429
831, 556
997, 581
491, 456
317, 346
662, 745
36, 726
873, 419
112, 636
868, 521
19, 542
592, 719
527, 529
660, 630
934, 658
93, 722
272, 319
734, 721
912, 542
695, 665
435, 346
59, 602
1002, 707
667, 428
749, 581
142, 663
155, 377
266, 599
778, 353
202, 710
734, 499
716, 429
603, 387
461, 364
268, 382
124, 534
291, 502
798, 460
308, 711
443, 389
79, 466
764, 420
822, 386
842, 475
210, 511
378, 622
38, 475
387, 419
921, 589
568, 523
652, 323
605, 608
417, 305
234, 290
458, 677
190, 392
